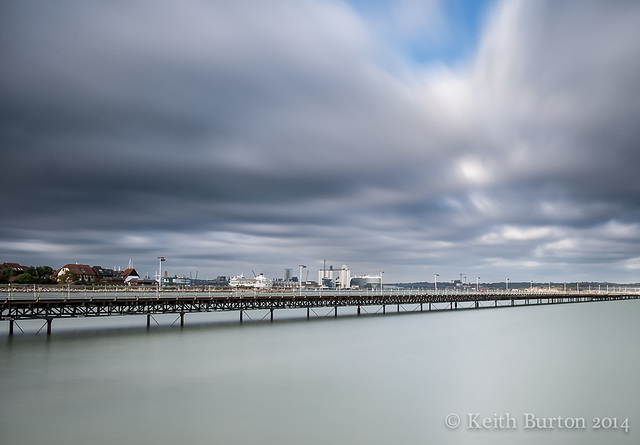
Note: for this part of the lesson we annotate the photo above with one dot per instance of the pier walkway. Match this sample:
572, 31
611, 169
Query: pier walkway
48, 306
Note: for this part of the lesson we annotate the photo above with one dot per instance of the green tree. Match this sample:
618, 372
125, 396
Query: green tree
6, 275
25, 278
43, 274
43, 271
69, 277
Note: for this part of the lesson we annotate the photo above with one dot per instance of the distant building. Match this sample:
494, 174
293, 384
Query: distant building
220, 281
325, 277
84, 271
176, 281
17, 268
344, 277
143, 282
129, 276
107, 275
279, 283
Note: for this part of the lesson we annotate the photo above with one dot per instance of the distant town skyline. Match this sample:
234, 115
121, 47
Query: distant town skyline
497, 139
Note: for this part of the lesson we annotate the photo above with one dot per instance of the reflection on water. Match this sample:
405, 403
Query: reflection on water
370, 379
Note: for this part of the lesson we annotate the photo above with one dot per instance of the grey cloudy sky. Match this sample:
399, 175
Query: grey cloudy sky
414, 137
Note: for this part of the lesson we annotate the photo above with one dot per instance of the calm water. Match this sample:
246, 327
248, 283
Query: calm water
375, 379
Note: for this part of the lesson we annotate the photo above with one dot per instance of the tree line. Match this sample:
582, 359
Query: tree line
33, 275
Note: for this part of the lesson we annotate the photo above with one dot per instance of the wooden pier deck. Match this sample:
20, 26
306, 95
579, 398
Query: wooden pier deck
24, 306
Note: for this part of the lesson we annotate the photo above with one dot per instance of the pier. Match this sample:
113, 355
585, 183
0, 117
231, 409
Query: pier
17, 306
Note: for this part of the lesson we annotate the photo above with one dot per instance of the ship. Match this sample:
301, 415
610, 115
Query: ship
259, 282
366, 281
262, 282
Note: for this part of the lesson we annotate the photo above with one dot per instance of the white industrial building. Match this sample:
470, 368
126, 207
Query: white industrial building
331, 278
327, 277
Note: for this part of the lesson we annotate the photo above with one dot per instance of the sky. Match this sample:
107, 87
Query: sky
493, 139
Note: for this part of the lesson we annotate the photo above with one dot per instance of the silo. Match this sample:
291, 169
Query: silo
345, 277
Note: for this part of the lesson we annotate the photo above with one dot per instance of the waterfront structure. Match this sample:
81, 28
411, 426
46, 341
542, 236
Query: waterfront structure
301, 281
325, 277
240, 281
28, 306
369, 281
161, 259
344, 277
220, 281
259, 282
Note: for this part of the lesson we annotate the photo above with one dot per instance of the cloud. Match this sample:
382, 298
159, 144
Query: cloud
236, 135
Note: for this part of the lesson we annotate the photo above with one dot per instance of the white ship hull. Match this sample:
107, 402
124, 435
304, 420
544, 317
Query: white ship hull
259, 282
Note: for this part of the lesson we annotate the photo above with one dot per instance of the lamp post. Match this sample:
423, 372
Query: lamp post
477, 284
381, 275
160, 260
301, 266
435, 281
507, 284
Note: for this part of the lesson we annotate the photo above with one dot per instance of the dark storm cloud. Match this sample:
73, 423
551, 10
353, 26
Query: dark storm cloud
235, 134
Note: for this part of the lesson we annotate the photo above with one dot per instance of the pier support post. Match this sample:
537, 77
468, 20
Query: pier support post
420, 307
49, 322
358, 310
10, 328
335, 312
148, 321
398, 308
307, 312
241, 315
384, 308
182, 319
271, 314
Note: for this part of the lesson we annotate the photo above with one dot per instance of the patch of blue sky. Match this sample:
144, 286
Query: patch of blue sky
428, 32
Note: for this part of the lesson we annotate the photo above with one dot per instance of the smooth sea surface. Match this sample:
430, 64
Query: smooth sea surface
373, 379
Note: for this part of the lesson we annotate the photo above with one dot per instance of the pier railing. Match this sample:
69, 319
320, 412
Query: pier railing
23, 303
